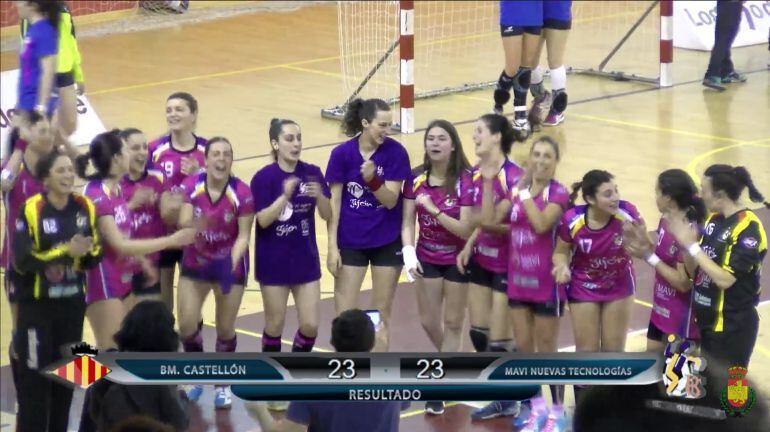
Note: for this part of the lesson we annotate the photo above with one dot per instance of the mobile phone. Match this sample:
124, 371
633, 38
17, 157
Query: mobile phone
376, 318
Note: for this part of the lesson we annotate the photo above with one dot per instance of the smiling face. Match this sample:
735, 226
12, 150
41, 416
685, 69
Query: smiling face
378, 128
120, 162
438, 145
179, 116
39, 137
542, 161
137, 151
484, 140
219, 160
607, 198
61, 178
289, 143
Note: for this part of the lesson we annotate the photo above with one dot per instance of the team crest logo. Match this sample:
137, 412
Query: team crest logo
197, 212
355, 189
725, 235
229, 217
681, 376
450, 202
81, 221
83, 370
750, 242
618, 240
380, 171
286, 213
737, 398
303, 187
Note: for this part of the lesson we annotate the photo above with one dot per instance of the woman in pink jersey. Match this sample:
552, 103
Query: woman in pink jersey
178, 154
109, 284
485, 255
144, 189
536, 302
438, 196
590, 257
222, 207
677, 197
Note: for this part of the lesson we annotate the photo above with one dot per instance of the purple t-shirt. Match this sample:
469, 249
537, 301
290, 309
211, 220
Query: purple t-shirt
291, 238
601, 269
347, 416
529, 264
165, 157
364, 222
40, 41
219, 219
435, 244
25, 186
491, 250
146, 221
112, 277
671, 311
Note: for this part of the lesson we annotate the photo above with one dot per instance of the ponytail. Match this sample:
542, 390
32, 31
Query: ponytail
754, 194
103, 148
81, 165
679, 186
358, 110
574, 194
589, 185
732, 180
497, 123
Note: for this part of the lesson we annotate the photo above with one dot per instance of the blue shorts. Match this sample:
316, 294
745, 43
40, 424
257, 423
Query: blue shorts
557, 14
521, 13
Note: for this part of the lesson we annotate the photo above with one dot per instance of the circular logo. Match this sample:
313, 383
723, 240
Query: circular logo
54, 273
286, 213
355, 189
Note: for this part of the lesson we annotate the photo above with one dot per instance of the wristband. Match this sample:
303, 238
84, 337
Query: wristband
694, 250
6, 174
375, 183
524, 194
653, 260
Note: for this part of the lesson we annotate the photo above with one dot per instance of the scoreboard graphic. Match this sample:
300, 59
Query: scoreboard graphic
382, 376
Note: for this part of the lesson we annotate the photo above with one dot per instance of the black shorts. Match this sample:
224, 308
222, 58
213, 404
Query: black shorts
555, 24
203, 275
449, 272
551, 309
170, 258
481, 276
511, 30
138, 286
733, 347
388, 255
656, 334
65, 79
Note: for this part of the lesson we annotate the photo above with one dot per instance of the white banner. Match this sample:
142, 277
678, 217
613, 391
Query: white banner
89, 123
694, 23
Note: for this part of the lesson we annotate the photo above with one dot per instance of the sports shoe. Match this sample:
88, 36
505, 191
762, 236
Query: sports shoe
434, 407
534, 421
554, 423
523, 417
522, 127
223, 399
714, 82
277, 405
497, 409
554, 118
733, 77
194, 393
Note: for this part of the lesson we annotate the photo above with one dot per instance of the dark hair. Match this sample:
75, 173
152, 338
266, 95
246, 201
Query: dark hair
213, 140
457, 161
360, 109
141, 423
33, 117
732, 180
589, 185
192, 103
500, 124
50, 9
548, 140
276, 126
148, 327
127, 132
353, 331
45, 163
679, 186
100, 152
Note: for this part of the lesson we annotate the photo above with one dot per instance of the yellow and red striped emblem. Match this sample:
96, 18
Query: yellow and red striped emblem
83, 371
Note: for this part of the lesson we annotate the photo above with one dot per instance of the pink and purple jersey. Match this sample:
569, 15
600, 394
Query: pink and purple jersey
435, 244
671, 311
146, 221
491, 250
601, 268
529, 263
219, 220
112, 277
25, 186
364, 222
291, 238
165, 157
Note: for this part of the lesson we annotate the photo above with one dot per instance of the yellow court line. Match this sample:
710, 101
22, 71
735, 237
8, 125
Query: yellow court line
643, 303
338, 75
655, 128
693, 164
419, 411
259, 336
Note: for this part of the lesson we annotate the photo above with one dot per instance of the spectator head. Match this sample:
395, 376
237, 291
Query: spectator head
148, 327
353, 331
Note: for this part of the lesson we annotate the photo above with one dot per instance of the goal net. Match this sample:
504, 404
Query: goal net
457, 45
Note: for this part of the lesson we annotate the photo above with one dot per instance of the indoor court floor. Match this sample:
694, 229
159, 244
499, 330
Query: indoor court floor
250, 68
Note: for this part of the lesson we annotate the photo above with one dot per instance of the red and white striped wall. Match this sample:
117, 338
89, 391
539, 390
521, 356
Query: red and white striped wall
666, 42
406, 48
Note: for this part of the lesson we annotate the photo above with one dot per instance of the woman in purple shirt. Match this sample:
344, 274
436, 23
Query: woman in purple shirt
677, 197
286, 194
366, 174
